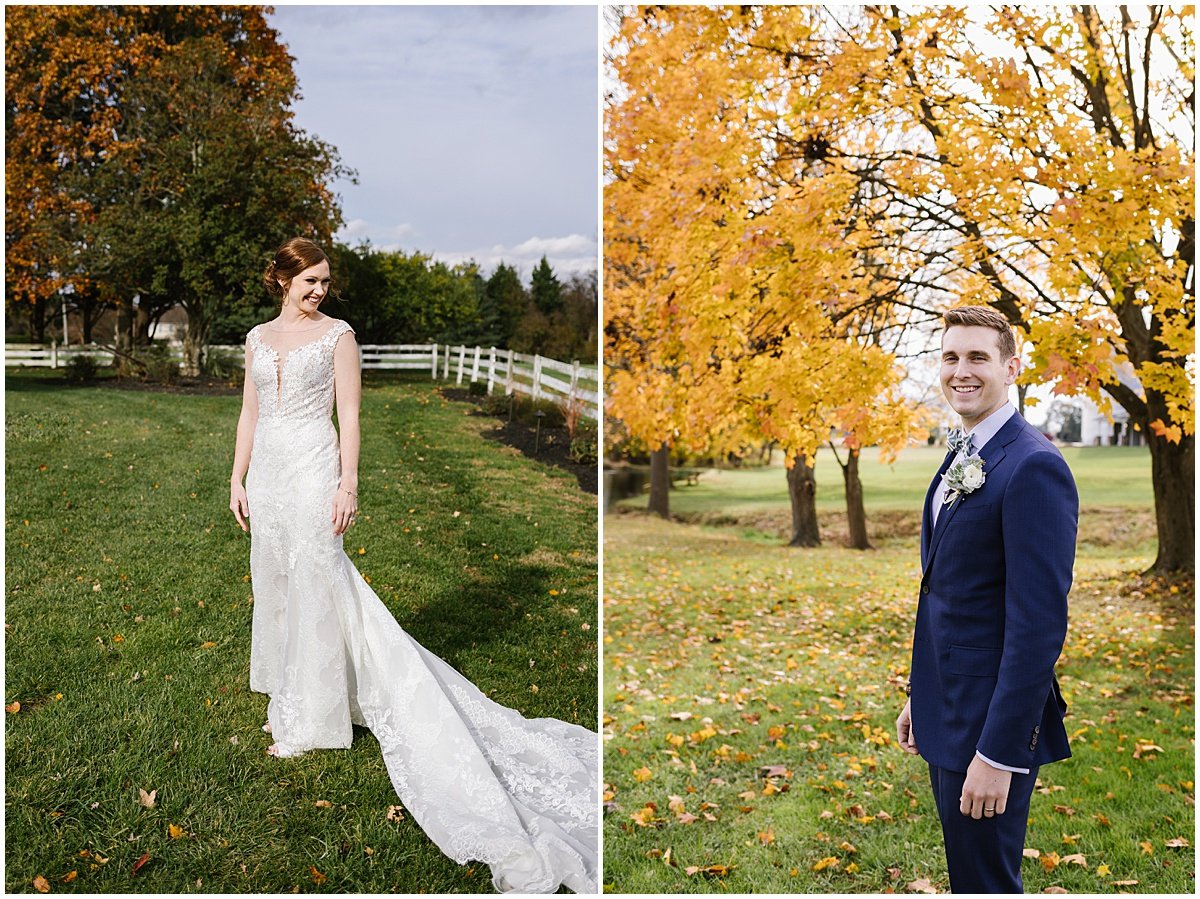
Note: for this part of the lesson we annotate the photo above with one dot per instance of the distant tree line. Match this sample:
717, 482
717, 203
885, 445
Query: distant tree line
396, 297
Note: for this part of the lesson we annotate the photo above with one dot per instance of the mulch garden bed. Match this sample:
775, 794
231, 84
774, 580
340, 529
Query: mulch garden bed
553, 448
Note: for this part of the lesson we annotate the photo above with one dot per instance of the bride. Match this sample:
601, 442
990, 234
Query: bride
482, 781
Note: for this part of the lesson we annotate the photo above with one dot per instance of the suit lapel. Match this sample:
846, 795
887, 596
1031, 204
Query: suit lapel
927, 511
993, 454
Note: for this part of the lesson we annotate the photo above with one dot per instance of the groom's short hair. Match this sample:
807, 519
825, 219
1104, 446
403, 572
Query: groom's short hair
984, 317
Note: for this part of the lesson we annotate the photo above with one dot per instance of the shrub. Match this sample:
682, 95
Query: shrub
158, 364
223, 363
583, 443
81, 369
497, 404
477, 388
527, 412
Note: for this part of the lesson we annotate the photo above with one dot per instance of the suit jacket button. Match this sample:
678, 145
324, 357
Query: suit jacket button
924, 588
1037, 728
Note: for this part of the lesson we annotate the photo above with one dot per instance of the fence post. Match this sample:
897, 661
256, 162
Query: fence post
462, 357
446, 364
54, 354
574, 380
491, 369
508, 373
475, 365
433, 357
537, 378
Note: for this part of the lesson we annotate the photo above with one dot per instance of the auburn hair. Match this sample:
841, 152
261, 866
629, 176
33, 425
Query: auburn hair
292, 257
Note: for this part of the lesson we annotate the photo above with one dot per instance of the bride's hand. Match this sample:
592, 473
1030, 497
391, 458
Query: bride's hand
345, 506
239, 505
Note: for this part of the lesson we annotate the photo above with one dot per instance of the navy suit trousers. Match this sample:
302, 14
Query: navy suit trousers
983, 856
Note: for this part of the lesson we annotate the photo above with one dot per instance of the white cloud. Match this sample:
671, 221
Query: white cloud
573, 254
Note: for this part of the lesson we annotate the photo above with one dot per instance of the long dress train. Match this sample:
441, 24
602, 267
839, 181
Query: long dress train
483, 782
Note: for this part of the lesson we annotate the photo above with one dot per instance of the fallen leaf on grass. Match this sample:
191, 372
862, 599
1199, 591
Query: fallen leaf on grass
767, 837
13, 707
920, 886
1147, 847
323, 803
641, 775
1064, 810
395, 813
1054, 890
709, 870
1177, 843
146, 800
317, 877
140, 863
69, 876
1103, 871
208, 644
1124, 883
175, 832
1031, 853
830, 861
1050, 861
1077, 858
41, 884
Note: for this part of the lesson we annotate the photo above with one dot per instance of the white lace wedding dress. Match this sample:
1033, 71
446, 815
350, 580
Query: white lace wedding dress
482, 781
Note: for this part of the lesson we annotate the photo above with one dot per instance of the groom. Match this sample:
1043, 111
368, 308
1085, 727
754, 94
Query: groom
997, 547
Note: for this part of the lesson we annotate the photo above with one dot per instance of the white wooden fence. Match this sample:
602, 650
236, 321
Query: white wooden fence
534, 376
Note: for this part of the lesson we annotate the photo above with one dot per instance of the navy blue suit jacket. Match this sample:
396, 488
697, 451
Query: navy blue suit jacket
992, 613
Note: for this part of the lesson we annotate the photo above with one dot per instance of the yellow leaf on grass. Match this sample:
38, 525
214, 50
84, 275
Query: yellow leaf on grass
12, 708
69, 876
1050, 861
767, 837
41, 884
1147, 847
641, 775
1103, 871
323, 803
317, 877
208, 644
830, 861
175, 832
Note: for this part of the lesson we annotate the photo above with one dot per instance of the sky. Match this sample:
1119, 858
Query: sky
473, 129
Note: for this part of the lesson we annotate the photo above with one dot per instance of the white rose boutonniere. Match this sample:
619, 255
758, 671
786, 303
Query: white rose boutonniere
963, 477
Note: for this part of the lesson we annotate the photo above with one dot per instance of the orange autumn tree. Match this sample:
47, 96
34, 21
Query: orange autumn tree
1037, 159
751, 257
153, 153
1043, 157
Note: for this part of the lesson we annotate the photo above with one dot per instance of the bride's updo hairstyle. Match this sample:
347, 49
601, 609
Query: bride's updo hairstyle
293, 257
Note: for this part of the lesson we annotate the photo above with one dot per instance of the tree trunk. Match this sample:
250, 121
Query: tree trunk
122, 340
1173, 472
660, 481
195, 342
37, 321
856, 512
802, 489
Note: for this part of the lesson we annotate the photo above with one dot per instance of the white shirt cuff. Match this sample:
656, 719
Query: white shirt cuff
1001, 767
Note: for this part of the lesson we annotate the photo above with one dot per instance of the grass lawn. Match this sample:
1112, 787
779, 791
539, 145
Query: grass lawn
751, 691
1105, 475
127, 638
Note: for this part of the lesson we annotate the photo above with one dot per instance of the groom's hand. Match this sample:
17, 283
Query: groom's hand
985, 791
904, 731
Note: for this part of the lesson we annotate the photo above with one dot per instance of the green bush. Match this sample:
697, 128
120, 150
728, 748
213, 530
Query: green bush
477, 388
583, 444
158, 364
527, 412
81, 369
223, 363
497, 404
